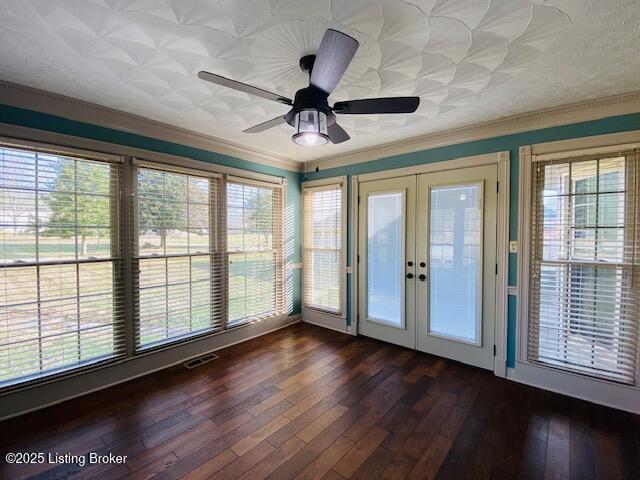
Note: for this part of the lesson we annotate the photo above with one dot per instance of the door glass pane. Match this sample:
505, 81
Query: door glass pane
455, 262
385, 257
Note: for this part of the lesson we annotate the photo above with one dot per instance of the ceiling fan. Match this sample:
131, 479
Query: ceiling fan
311, 116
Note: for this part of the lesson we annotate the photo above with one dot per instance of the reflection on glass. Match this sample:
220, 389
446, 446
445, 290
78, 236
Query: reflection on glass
455, 261
385, 257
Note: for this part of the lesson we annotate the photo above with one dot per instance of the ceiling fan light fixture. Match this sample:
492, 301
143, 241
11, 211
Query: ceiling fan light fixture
310, 128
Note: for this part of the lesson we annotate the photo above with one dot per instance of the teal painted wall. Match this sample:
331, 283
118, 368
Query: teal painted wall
512, 143
27, 118
496, 144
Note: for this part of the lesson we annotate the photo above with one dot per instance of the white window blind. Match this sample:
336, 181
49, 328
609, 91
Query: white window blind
323, 248
61, 283
254, 246
176, 259
584, 290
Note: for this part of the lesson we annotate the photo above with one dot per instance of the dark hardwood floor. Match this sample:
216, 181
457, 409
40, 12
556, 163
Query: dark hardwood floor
305, 402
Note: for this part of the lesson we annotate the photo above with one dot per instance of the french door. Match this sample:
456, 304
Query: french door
427, 256
386, 260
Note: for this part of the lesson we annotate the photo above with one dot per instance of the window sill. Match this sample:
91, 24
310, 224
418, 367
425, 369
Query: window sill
59, 373
596, 390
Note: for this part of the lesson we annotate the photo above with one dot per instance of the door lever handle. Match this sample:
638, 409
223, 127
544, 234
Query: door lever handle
409, 275
422, 277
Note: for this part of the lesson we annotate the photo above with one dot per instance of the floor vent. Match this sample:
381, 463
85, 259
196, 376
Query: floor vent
196, 362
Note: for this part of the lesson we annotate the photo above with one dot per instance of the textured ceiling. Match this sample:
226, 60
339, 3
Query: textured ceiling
468, 60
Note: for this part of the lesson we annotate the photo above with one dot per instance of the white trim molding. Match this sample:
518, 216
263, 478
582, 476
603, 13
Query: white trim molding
605, 392
464, 162
550, 117
325, 320
502, 259
576, 147
73, 109
594, 390
322, 182
354, 215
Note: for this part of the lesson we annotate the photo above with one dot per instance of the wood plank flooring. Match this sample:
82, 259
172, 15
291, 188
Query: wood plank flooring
309, 403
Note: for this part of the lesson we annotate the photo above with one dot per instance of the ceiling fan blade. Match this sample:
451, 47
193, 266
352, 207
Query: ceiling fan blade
243, 87
378, 105
334, 56
337, 134
261, 127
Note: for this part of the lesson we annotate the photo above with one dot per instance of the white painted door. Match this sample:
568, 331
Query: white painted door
456, 255
386, 260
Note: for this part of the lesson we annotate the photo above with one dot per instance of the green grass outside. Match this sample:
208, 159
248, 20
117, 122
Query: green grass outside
250, 283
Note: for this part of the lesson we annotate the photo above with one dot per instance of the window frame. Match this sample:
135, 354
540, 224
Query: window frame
126, 231
318, 185
592, 388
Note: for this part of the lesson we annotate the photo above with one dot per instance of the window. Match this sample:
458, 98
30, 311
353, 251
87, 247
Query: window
61, 284
103, 257
584, 266
254, 248
324, 249
178, 269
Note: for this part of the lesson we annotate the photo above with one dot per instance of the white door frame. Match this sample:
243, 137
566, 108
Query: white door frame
501, 160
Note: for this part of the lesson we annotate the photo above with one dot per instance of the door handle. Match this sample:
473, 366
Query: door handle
409, 275
422, 277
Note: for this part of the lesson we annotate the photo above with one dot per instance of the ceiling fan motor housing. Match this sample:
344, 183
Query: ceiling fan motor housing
306, 63
310, 98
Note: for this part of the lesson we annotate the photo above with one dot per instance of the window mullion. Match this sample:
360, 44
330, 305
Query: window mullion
130, 266
221, 274
37, 248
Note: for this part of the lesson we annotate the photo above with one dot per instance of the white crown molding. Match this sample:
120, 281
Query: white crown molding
549, 117
73, 109
70, 108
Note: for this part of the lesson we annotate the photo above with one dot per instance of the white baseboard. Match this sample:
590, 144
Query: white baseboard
500, 367
325, 320
602, 392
